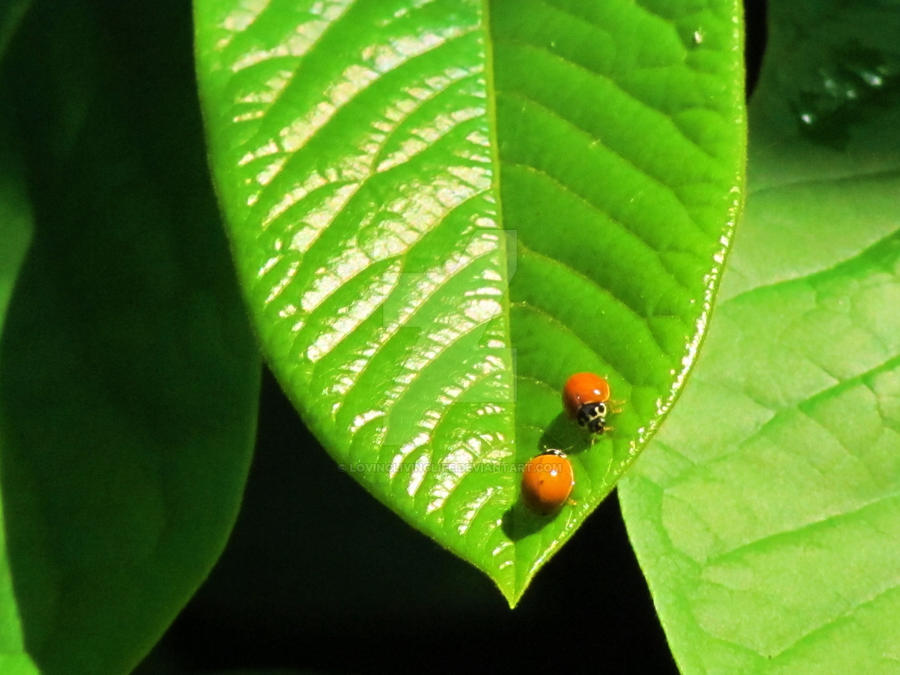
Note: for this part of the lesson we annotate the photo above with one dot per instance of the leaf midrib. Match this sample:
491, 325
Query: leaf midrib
511, 594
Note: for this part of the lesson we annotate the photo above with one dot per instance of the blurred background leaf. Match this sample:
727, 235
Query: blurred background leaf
16, 228
11, 13
766, 513
129, 378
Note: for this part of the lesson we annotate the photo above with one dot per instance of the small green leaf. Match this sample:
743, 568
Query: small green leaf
128, 374
441, 210
766, 513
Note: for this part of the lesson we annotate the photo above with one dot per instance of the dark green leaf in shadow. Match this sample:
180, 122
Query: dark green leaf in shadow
441, 210
15, 235
129, 376
766, 513
11, 13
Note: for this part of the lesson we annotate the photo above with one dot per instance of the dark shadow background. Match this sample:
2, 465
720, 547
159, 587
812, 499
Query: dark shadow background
318, 576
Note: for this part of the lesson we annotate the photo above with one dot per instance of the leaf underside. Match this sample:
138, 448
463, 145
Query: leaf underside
439, 211
766, 512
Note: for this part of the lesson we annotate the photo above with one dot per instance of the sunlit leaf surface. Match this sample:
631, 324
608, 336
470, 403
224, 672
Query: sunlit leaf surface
766, 513
441, 210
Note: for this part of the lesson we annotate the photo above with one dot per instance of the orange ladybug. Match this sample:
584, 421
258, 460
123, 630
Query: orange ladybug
584, 398
547, 481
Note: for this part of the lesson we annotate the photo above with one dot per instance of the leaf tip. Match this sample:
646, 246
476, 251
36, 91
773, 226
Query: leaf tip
512, 589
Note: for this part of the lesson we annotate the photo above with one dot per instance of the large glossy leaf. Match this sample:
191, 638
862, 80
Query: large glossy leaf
766, 513
128, 374
441, 210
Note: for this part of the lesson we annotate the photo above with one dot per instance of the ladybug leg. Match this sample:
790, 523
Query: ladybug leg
616, 406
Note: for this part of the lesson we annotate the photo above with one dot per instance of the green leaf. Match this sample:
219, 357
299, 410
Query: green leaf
16, 228
128, 374
11, 13
16, 223
15, 232
766, 513
439, 211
